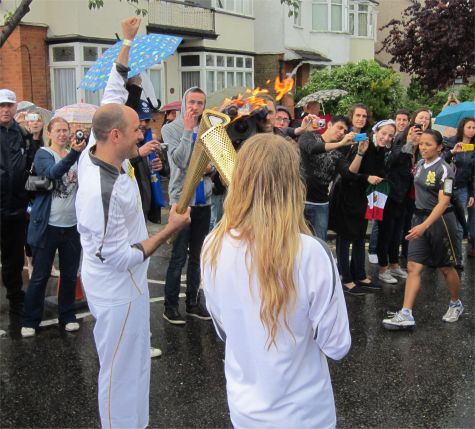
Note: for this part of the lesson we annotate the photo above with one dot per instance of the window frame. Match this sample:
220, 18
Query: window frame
353, 9
343, 4
298, 18
247, 7
204, 69
79, 64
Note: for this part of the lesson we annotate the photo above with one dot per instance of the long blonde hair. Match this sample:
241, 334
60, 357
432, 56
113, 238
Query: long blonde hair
264, 206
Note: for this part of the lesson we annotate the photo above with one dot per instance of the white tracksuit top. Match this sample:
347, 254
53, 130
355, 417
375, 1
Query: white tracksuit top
287, 387
111, 222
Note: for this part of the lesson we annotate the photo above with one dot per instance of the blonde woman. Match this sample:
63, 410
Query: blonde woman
274, 295
53, 228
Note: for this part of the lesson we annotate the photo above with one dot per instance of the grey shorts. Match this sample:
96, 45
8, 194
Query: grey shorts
436, 248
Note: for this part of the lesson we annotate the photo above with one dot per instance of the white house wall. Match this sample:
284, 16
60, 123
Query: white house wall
269, 35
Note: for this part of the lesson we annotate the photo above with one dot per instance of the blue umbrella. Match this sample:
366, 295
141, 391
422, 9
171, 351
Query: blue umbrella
452, 115
146, 51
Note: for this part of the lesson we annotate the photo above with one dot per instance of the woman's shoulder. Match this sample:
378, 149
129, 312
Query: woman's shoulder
313, 246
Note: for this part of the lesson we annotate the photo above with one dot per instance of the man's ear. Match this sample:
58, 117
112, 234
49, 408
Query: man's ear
115, 134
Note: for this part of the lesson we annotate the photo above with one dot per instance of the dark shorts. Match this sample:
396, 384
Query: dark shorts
436, 248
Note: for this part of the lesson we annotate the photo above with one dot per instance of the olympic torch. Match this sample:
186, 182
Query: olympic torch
212, 143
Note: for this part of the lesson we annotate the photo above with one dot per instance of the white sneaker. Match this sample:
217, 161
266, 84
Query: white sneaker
28, 332
54, 272
71, 326
372, 258
400, 320
154, 352
398, 272
386, 277
453, 313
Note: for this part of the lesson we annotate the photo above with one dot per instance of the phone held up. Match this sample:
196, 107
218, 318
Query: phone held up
359, 137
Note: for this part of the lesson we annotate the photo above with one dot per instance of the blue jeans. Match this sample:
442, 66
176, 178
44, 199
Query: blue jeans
373, 239
216, 209
189, 241
66, 242
317, 217
462, 195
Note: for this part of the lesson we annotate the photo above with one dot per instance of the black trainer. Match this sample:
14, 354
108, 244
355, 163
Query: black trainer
355, 290
198, 311
172, 315
369, 286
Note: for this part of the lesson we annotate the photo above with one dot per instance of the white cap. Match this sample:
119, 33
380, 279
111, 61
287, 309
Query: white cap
7, 96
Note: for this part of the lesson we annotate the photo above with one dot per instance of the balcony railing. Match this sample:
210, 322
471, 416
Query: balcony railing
183, 15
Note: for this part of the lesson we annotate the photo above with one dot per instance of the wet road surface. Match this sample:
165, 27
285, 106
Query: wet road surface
423, 378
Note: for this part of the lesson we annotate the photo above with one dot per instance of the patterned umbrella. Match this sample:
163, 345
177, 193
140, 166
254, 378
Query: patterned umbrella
321, 96
146, 51
80, 113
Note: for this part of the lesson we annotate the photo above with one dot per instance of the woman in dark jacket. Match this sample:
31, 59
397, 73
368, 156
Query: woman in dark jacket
364, 165
464, 166
398, 165
53, 227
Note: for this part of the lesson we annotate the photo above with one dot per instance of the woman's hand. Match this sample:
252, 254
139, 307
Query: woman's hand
374, 180
457, 148
414, 135
363, 146
78, 147
416, 232
470, 202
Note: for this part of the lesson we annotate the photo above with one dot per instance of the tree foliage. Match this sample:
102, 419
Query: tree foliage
417, 96
366, 82
434, 41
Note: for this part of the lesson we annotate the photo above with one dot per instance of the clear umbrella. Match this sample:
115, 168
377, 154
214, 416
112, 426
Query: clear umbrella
80, 113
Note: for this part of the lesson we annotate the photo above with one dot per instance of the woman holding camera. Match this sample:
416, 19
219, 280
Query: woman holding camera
53, 227
363, 165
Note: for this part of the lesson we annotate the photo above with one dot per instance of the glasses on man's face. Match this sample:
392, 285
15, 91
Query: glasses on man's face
284, 120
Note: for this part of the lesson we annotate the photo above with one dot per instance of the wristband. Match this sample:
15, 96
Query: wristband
127, 42
360, 154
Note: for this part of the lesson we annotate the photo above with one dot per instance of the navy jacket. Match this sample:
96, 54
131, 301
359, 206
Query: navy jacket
44, 165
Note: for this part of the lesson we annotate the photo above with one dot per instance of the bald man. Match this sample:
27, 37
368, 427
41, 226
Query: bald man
116, 250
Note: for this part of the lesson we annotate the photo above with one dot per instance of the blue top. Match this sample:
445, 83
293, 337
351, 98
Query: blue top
45, 165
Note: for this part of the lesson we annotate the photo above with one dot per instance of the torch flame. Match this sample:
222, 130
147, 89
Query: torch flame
282, 88
252, 100
246, 103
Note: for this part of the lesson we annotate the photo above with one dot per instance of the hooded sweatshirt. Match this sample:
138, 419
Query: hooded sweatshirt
180, 146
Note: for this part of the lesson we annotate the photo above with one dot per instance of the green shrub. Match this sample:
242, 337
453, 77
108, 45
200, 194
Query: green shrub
366, 82
379, 88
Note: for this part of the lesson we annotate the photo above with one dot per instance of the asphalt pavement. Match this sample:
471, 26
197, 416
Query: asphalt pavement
418, 379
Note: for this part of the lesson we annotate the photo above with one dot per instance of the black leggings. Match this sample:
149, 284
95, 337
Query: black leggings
389, 235
354, 271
